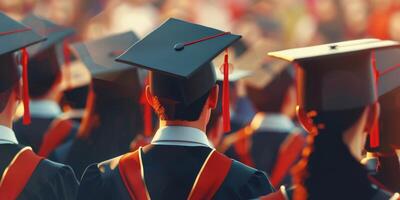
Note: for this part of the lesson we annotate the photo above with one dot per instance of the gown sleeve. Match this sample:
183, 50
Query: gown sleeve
51, 181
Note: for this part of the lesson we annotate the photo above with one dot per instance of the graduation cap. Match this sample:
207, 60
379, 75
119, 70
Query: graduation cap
75, 76
14, 36
44, 57
179, 56
336, 76
388, 63
99, 58
54, 33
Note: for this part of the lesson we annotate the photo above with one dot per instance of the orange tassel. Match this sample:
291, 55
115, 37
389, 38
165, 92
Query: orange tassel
374, 134
26, 120
147, 115
67, 61
225, 96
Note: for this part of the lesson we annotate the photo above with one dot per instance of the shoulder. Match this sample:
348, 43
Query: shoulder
52, 180
102, 181
56, 172
246, 182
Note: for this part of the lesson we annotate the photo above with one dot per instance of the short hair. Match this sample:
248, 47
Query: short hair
271, 97
43, 72
167, 109
7, 83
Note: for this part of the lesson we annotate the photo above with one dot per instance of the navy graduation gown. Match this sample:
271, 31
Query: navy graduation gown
264, 150
50, 180
32, 135
170, 172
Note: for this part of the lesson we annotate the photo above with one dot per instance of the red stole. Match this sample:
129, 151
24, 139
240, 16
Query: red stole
18, 173
55, 135
208, 181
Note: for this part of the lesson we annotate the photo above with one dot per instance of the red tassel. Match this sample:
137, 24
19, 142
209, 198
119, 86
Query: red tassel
374, 139
374, 134
67, 61
147, 115
24, 61
225, 95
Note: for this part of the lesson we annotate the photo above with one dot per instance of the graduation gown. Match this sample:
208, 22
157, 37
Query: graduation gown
262, 148
49, 180
170, 172
33, 134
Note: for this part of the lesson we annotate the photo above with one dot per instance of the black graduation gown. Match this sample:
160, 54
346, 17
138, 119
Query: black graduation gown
170, 172
32, 135
264, 150
49, 181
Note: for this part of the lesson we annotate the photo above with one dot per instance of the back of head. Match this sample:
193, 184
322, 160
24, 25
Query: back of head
9, 69
44, 72
114, 120
271, 97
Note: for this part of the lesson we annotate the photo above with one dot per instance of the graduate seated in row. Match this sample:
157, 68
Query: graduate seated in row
45, 80
113, 115
338, 106
24, 174
180, 162
271, 141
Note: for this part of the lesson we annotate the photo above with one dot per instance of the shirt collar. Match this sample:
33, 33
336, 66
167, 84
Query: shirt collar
7, 136
272, 122
181, 136
45, 108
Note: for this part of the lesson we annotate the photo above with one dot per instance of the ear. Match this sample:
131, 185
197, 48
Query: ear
305, 120
18, 89
373, 116
149, 96
213, 97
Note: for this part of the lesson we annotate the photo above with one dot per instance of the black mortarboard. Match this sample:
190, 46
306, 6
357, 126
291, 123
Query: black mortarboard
99, 57
179, 53
335, 76
388, 63
179, 56
15, 36
54, 33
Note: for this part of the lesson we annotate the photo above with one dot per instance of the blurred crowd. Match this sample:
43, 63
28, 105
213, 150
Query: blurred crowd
292, 23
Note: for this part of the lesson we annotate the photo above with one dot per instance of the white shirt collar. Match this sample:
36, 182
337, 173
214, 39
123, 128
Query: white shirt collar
181, 136
45, 108
7, 136
272, 122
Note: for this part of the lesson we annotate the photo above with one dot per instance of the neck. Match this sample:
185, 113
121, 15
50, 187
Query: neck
5, 121
193, 124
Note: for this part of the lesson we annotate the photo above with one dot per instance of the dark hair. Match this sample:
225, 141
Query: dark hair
167, 109
43, 72
76, 97
330, 167
271, 97
8, 67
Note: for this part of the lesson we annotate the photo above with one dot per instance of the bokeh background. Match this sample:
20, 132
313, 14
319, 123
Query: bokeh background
289, 23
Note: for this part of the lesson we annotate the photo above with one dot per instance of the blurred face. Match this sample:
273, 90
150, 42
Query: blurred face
394, 26
326, 10
64, 11
356, 13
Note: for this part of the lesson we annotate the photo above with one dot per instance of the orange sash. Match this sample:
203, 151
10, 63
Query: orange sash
55, 135
207, 183
18, 173
289, 151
